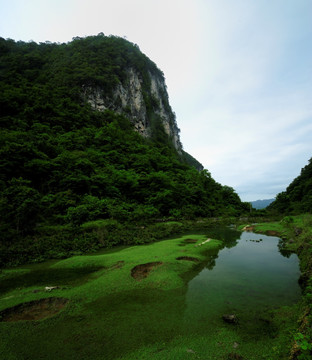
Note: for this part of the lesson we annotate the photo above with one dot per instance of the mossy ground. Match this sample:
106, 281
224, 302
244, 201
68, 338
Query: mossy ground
111, 315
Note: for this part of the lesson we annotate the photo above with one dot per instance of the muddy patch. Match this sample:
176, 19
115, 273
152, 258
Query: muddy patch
140, 272
188, 258
34, 310
188, 241
272, 233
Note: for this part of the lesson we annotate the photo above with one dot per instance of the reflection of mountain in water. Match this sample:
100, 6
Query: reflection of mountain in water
208, 263
253, 273
282, 250
229, 238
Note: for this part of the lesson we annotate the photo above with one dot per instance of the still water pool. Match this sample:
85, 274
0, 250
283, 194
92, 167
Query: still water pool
249, 274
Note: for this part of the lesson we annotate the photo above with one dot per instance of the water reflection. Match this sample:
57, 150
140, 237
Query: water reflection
228, 236
282, 250
250, 273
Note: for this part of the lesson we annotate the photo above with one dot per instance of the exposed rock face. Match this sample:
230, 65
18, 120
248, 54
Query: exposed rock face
159, 92
133, 99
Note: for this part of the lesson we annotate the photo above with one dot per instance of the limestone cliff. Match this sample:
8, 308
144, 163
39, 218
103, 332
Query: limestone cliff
143, 99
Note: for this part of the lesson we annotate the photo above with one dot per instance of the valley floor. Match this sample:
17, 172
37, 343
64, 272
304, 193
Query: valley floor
128, 303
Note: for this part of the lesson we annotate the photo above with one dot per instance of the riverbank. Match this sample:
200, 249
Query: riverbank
63, 241
296, 235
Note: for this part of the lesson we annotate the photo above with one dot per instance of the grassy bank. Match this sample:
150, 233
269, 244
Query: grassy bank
98, 288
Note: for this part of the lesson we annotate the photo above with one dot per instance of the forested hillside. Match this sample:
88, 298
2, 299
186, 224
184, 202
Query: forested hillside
297, 198
65, 164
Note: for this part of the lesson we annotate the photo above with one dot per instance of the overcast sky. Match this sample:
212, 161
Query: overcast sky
239, 74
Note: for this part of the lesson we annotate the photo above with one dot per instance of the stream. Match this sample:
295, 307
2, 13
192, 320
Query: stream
248, 275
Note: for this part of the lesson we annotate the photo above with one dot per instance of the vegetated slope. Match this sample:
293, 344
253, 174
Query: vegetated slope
298, 196
69, 152
261, 204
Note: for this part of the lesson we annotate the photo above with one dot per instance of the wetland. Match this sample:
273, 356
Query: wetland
165, 300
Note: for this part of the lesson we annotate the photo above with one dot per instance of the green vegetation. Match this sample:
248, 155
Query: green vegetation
115, 313
189, 159
297, 199
74, 179
97, 286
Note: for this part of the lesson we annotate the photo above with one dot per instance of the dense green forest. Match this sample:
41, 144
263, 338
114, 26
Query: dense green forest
297, 198
64, 165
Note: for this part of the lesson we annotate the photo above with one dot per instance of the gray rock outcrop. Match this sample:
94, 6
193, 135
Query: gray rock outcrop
130, 98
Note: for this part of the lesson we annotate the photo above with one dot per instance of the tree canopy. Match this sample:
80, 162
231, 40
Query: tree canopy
298, 196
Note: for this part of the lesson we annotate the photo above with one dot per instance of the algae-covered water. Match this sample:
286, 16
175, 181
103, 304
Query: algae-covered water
175, 312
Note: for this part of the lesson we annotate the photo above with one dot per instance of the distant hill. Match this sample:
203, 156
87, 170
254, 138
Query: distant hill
261, 204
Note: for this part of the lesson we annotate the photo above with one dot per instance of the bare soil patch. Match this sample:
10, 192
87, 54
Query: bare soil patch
188, 258
141, 271
190, 241
249, 228
34, 310
272, 233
